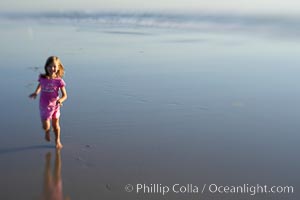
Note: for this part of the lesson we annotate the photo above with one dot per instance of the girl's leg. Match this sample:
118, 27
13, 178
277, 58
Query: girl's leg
46, 127
56, 128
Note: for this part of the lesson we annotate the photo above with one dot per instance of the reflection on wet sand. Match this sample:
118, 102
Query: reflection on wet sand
53, 187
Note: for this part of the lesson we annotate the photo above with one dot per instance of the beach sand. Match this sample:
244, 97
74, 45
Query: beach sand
161, 110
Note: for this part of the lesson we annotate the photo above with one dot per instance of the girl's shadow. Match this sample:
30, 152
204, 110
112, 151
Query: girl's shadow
25, 148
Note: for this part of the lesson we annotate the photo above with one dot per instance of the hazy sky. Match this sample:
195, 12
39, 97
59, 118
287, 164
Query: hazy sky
239, 6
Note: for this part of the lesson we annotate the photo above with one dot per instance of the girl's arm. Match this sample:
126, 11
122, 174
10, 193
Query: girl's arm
63, 97
36, 92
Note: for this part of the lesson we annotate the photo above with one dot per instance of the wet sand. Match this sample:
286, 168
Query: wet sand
153, 112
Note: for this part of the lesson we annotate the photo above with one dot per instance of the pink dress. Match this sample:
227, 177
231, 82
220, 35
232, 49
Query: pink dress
49, 95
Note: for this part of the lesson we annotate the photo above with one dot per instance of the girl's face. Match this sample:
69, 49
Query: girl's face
52, 68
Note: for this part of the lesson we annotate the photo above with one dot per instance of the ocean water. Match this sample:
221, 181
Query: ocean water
152, 99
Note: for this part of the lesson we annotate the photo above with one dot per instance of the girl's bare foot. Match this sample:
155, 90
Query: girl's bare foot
47, 136
59, 145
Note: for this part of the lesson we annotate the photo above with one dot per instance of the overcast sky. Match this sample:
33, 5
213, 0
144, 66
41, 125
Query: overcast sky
237, 6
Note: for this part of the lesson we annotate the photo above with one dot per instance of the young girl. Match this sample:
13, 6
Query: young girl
50, 102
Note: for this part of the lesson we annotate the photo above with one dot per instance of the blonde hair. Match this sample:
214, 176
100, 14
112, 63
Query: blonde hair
61, 69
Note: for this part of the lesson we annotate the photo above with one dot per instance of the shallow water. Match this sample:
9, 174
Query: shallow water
150, 105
